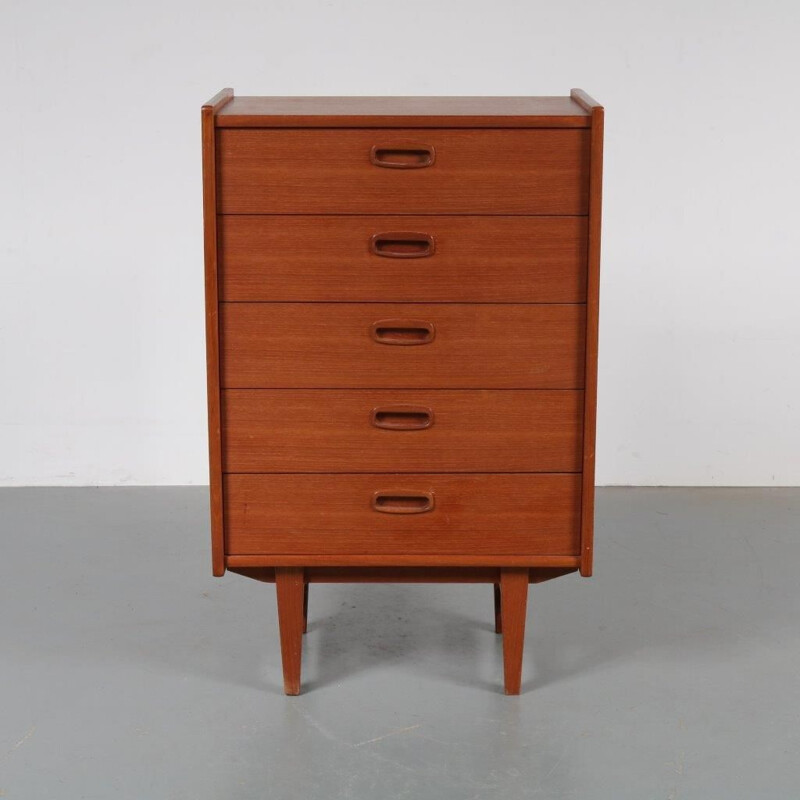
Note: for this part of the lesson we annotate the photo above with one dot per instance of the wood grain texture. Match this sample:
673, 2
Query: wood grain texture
514, 604
476, 259
331, 514
237, 562
435, 112
287, 430
592, 322
316, 345
402, 308
290, 587
212, 326
475, 172
403, 574
585, 101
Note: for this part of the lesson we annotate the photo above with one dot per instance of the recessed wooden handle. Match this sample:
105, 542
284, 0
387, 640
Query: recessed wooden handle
402, 244
402, 418
402, 331
403, 155
402, 501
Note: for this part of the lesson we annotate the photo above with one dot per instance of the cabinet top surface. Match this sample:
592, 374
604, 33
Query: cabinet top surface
538, 112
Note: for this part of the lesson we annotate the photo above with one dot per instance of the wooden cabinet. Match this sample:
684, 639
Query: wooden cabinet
401, 316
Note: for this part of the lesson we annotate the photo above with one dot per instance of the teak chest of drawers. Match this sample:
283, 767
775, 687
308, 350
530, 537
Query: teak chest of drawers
401, 309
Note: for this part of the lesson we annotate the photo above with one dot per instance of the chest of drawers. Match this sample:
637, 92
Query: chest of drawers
401, 315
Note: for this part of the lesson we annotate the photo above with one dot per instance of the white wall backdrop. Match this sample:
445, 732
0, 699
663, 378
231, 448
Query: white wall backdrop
101, 308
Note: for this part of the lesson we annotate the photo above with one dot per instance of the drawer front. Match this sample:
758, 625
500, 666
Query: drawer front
501, 171
402, 258
286, 430
342, 345
376, 514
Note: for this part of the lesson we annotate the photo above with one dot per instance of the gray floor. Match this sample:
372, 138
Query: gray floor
126, 671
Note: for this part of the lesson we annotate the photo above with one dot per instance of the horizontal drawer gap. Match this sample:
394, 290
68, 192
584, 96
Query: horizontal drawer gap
389, 214
392, 302
231, 121
390, 389
401, 475
380, 214
405, 388
389, 558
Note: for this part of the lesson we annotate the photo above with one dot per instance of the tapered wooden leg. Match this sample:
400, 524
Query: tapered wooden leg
498, 613
305, 608
289, 584
514, 603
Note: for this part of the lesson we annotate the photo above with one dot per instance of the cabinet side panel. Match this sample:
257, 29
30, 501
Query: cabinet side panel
592, 315
212, 339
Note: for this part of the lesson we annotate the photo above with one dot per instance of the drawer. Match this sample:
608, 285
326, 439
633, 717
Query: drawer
374, 514
444, 171
401, 258
409, 345
287, 430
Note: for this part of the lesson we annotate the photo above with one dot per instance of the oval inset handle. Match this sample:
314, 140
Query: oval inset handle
402, 244
402, 501
402, 331
402, 418
403, 155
